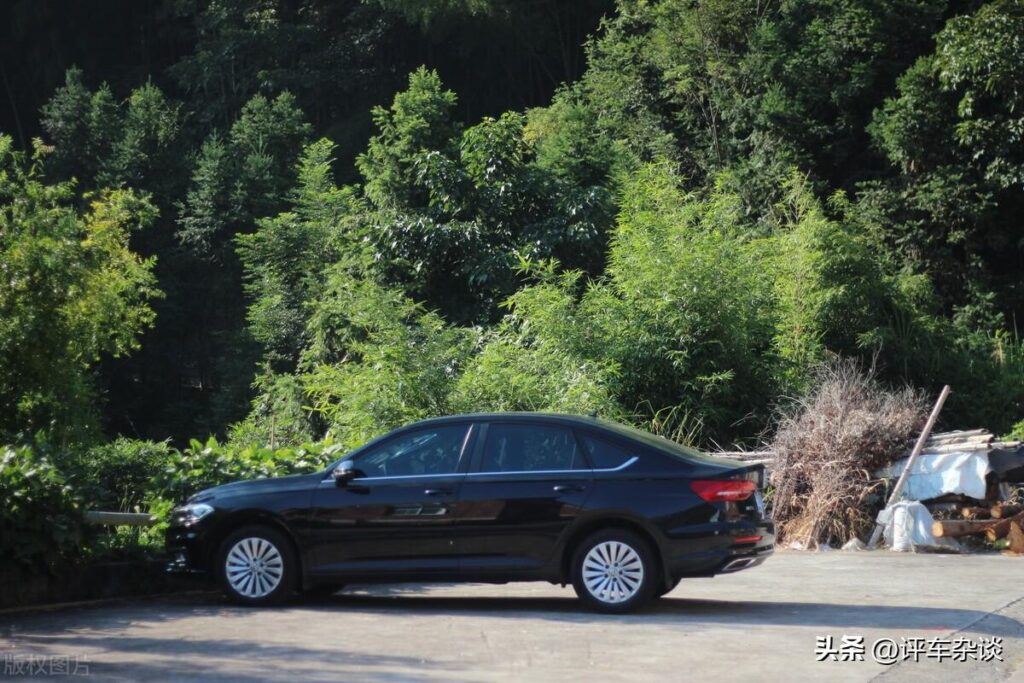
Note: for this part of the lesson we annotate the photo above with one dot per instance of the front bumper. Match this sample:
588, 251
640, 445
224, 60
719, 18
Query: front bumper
188, 548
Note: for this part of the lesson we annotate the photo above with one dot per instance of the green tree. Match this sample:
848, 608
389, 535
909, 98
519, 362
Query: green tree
453, 209
377, 360
245, 176
952, 132
73, 292
286, 258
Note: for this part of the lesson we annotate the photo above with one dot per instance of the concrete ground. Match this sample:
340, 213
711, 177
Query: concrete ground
756, 625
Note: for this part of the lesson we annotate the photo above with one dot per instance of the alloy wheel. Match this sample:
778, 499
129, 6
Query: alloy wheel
613, 572
254, 567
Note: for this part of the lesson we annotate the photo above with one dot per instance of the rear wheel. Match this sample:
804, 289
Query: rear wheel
257, 566
614, 571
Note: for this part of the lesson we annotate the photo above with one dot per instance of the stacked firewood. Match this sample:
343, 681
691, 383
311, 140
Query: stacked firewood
1002, 524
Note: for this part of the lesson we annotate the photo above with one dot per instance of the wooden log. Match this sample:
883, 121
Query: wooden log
975, 512
897, 488
999, 528
993, 529
1005, 510
952, 528
1016, 538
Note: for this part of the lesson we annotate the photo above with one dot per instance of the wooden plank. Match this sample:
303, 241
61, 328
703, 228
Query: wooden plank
956, 448
963, 434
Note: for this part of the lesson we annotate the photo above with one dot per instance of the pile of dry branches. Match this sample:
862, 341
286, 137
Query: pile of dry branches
827, 445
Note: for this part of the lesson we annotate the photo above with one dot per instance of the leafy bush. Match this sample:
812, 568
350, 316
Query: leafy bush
201, 466
40, 517
118, 476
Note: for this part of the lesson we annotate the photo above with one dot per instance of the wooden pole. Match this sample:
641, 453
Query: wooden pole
918, 447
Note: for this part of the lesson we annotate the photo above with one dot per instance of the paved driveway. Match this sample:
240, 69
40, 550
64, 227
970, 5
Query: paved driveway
757, 625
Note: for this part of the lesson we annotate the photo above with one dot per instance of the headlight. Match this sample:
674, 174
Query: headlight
193, 512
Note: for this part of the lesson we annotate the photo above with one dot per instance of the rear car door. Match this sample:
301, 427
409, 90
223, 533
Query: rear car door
396, 515
527, 482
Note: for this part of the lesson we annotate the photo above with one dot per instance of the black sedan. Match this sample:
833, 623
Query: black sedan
620, 514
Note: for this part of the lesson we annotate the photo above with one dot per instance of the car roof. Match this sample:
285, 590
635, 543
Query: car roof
625, 431
514, 416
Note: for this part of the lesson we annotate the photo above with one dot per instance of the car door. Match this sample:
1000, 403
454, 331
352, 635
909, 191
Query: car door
395, 516
526, 484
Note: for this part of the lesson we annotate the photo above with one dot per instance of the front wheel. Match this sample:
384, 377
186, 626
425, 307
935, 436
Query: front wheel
614, 571
257, 566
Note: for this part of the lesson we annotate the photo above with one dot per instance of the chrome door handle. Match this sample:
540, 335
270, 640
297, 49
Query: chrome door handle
568, 488
438, 492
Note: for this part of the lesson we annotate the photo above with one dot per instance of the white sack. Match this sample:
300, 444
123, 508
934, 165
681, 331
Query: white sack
907, 524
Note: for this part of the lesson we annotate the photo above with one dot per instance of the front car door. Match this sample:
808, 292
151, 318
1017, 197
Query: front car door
396, 515
526, 484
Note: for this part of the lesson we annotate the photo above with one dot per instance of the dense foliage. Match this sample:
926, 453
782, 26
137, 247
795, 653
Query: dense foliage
309, 221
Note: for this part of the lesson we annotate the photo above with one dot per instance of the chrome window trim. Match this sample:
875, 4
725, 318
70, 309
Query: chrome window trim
584, 471
605, 470
400, 476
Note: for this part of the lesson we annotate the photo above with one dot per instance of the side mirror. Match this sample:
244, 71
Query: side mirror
344, 473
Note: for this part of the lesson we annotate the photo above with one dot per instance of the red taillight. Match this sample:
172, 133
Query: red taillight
746, 539
728, 490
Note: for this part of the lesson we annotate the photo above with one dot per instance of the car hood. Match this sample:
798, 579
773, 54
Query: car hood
251, 486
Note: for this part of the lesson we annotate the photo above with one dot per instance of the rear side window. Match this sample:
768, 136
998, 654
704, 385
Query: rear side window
530, 448
604, 454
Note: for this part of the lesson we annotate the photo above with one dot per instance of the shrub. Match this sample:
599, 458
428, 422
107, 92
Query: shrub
201, 466
118, 476
40, 518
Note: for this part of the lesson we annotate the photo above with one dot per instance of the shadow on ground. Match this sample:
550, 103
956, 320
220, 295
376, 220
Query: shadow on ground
669, 610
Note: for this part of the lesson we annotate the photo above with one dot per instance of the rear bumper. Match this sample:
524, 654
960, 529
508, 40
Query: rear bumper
707, 550
738, 563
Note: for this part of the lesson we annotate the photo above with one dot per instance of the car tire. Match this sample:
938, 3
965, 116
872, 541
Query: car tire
666, 588
614, 571
257, 566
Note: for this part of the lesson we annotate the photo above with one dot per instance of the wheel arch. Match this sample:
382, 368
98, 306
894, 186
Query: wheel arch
584, 528
243, 518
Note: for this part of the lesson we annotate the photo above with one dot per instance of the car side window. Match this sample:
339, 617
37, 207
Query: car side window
530, 448
605, 454
426, 451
